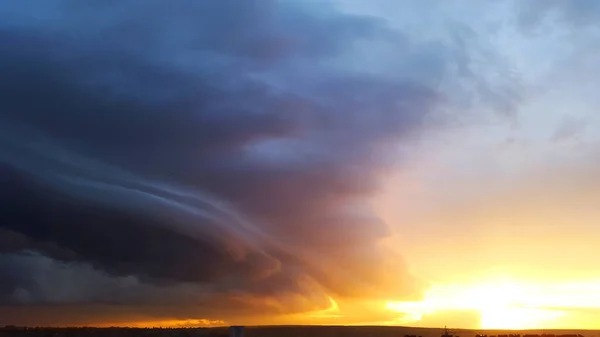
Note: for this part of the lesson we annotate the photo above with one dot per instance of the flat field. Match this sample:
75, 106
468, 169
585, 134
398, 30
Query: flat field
272, 331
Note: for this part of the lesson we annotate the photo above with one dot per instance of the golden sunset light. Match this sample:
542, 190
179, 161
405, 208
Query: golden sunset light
250, 168
510, 305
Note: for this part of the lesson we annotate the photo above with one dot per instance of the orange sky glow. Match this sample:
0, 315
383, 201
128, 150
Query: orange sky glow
521, 270
420, 163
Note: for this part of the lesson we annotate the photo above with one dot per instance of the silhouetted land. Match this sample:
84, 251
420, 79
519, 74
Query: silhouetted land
271, 331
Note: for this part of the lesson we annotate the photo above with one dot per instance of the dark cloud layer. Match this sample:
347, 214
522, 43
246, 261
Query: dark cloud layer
205, 153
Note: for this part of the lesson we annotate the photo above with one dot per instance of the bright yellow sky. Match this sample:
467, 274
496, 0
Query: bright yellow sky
507, 234
512, 305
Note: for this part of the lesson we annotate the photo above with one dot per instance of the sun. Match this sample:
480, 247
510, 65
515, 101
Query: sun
500, 305
503, 305
512, 317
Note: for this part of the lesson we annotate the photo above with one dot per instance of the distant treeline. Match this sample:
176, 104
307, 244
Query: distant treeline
15, 331
531, 335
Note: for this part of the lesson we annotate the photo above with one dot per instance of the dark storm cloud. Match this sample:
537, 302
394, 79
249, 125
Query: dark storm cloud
150, 152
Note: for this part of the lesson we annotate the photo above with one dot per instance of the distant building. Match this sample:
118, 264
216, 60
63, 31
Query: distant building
236, 331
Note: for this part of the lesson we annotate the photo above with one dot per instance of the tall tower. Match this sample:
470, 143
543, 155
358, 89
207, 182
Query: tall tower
446, 333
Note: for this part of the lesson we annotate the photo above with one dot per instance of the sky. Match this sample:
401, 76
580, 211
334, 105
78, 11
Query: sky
394, 162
